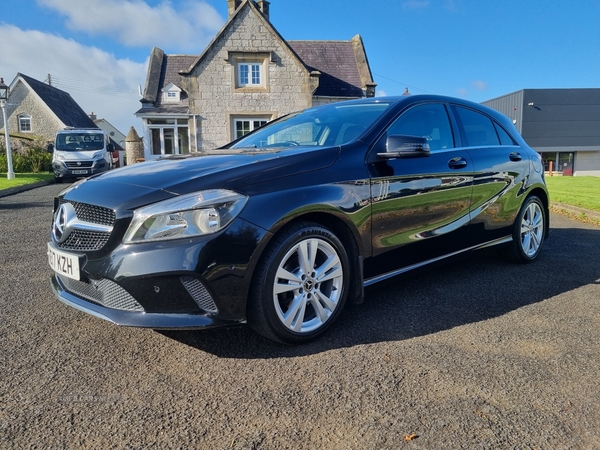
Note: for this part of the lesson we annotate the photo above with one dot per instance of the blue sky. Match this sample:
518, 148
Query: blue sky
97, 50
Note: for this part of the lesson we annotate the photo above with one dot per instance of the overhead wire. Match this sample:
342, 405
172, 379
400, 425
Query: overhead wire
68, 83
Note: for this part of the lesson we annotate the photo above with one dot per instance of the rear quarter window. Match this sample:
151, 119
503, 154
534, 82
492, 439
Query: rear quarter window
505, 138
477, 129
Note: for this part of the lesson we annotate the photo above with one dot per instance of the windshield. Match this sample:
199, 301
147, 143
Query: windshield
330, 125
79, 141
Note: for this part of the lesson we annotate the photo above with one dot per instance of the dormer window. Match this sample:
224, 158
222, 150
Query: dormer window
171, 94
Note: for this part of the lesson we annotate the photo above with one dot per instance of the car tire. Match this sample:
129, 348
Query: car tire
528, 232
300, 285
58, 180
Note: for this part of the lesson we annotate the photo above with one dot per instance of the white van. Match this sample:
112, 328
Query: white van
80, 152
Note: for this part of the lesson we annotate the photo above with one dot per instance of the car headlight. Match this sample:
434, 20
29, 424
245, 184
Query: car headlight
196, 214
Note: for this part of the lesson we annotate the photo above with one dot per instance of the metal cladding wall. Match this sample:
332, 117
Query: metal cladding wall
554, 118
511, 105
561, 118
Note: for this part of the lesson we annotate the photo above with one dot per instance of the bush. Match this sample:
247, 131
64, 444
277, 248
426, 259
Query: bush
27, 159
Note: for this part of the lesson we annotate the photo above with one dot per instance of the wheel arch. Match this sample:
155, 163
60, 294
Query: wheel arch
543, 196
350, 239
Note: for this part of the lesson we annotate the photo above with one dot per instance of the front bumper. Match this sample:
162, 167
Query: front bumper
136, 318
61, 170
189, 283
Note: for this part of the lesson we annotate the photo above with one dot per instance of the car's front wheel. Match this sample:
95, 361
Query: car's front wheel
529, 231
300, 285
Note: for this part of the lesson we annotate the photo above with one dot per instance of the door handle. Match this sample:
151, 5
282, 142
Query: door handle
514, 156
457, 163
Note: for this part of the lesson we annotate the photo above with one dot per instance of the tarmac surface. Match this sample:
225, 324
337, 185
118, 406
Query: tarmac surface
479, 353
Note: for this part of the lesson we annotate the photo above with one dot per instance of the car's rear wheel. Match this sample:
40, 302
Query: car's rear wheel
529, 231
300, 285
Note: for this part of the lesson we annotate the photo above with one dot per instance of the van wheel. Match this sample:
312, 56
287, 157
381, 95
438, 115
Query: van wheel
301, 285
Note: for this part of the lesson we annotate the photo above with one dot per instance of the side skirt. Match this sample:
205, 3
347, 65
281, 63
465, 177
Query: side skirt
385, 276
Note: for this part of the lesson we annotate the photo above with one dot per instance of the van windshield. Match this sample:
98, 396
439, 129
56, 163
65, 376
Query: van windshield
79, 141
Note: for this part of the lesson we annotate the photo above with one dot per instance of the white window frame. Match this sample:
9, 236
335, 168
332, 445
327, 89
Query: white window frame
250, 71
171, 93
175, 126
25, 118
252, 77
252, 124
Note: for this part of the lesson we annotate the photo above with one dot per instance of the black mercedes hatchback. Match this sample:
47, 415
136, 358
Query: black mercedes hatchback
282, 227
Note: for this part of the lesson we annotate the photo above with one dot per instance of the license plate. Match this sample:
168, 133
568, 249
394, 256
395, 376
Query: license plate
79, 172
63, 263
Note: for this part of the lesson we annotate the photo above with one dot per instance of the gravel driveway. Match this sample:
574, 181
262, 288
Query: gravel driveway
478, 354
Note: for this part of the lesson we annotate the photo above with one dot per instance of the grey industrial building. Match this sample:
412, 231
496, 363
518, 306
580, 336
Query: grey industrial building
563, 125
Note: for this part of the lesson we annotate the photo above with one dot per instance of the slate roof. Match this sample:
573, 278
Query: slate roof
171, 65
61, 103
336, 61
343, 67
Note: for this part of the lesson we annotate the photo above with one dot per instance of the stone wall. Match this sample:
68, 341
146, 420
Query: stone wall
134, 147
44, 124
211, 86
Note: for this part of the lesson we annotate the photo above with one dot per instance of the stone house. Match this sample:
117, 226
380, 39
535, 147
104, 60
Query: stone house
36, 110
248, 75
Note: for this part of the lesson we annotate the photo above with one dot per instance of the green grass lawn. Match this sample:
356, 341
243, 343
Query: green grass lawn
576, 191
23, 178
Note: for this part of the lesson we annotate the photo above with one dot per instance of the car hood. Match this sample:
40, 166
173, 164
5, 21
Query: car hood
143, 183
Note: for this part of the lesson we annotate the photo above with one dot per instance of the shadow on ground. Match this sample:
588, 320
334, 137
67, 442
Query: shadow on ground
462, 292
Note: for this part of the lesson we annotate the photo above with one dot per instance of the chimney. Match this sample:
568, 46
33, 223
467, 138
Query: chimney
232, 6
263, 6
93, 116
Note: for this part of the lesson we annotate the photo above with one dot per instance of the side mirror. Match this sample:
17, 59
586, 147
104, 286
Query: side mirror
110, 147
50, 147
405, 147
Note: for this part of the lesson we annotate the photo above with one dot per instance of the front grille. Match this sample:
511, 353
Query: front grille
83, 240
88, 240
199, 293
103, 292
79, 165
93, 213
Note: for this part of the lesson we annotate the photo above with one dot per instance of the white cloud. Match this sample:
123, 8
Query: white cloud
380, 93
38, 54
134, 23
479, 85
462, 92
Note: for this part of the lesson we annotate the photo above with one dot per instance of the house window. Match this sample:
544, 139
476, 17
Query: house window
168, 136
171, 93
243, 126
24, 123
249, 74
250, 71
